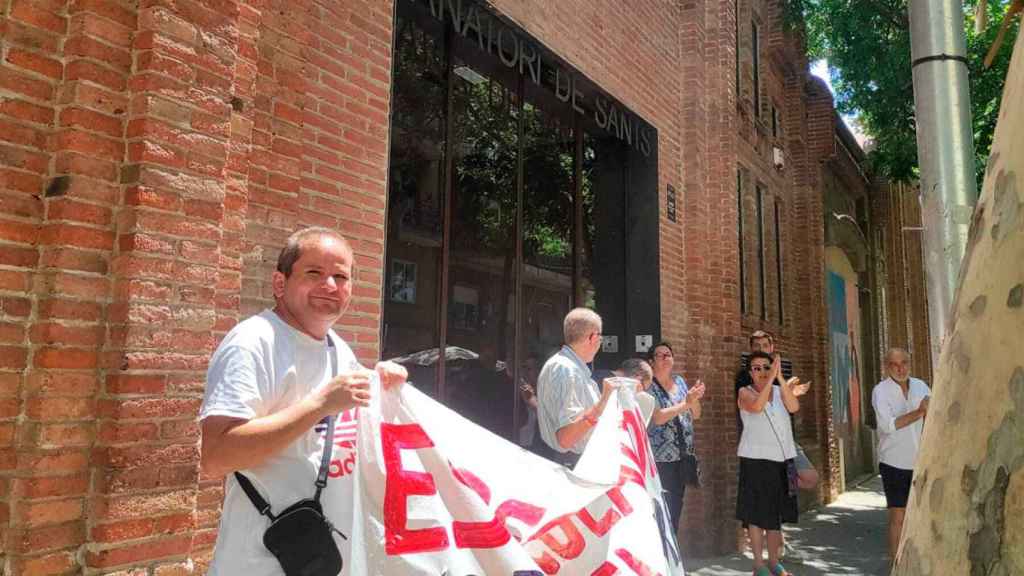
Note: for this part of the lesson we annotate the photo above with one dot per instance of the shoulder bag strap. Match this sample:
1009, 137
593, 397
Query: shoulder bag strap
767, 415
325, 461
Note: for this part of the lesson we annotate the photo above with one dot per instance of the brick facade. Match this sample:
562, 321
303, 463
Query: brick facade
154, 155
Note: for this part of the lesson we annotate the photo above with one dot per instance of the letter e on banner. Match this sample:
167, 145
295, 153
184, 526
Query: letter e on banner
401, 484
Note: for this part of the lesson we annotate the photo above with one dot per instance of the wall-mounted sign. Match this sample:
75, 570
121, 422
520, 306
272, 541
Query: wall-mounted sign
670, 204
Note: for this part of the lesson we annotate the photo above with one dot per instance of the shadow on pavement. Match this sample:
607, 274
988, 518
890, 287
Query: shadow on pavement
846, 537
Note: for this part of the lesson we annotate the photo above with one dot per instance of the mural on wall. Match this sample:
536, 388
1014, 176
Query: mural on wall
844, 333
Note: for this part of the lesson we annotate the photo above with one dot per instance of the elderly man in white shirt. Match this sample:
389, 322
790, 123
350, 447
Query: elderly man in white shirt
900, 403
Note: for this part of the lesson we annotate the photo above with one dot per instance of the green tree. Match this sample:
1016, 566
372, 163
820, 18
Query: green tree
867, 45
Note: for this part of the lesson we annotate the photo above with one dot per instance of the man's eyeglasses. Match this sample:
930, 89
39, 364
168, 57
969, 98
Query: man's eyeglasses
760, 368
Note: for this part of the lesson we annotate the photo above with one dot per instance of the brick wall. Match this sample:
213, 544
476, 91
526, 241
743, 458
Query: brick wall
154, 156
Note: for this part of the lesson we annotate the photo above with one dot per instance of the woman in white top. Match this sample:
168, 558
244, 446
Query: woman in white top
766, 496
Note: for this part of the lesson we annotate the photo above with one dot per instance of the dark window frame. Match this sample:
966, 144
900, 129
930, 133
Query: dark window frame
742, 246
778, 262
755, 49
760, 251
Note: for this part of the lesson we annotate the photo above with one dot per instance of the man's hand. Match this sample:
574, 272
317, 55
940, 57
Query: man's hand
923, 407
796, 387
696, 393
391, 374
608, 387
347, 390
528, 394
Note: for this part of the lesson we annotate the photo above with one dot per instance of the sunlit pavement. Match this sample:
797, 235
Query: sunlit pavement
846, 537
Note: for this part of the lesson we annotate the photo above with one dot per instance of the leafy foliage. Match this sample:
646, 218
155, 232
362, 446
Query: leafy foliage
867, 45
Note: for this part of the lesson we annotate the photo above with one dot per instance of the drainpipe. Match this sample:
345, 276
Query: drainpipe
945, 147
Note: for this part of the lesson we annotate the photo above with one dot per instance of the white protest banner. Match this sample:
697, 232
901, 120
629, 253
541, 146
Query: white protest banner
437, 494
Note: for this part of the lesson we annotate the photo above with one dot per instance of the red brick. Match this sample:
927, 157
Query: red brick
53, 333
20, 34
26, 111
71, 209
23, 159
55, 563
35, 63
50, 486
93, 97
64, 233
86, 47
13, 306
136, 384
13, 357
49, 512
59, 408
93, 25
31, 13
146, 551
68, 162
90, 120
109, 10
20, 135
46, 538
112, 433
18, 232
93, 72
73, 358
68, 310
43, 383
19, 181
63, 435
89, 145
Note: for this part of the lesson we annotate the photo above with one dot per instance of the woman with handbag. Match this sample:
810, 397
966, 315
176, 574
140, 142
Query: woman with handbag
766, 495
671, 429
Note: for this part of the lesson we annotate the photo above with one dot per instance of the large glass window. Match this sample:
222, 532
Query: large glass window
416, 201
514, 183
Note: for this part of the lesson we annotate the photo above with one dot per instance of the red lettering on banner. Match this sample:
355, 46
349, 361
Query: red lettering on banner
522, 511
627, 474
631, 422
399, 485
571, 548
490, 534
473, 482
615, 495
605, 569
602, 526
633, 562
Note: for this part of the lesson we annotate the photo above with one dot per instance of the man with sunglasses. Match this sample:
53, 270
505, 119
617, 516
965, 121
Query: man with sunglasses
568, 401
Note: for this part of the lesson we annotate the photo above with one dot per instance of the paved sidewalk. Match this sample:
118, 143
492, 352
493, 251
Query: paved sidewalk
846, 537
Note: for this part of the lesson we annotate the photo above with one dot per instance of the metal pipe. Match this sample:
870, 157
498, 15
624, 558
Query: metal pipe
945, 145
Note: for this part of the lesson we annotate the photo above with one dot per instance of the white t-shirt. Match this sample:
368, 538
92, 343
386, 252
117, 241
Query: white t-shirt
262, 366
898, 448
767, 440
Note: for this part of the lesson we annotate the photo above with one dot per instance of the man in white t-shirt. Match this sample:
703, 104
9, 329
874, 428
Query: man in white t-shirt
269, 393
900, 403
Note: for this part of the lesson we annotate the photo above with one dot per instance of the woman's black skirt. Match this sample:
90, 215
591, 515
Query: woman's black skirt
762, 498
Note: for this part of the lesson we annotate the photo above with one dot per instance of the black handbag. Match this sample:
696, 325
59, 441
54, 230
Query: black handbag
301, 536
692, 474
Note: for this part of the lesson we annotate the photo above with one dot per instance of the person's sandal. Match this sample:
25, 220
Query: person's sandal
779, 570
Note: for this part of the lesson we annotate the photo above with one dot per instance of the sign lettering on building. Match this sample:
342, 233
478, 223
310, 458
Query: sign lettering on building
494, 37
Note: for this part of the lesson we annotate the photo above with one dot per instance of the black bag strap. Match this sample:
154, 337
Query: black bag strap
325, 461
778, 439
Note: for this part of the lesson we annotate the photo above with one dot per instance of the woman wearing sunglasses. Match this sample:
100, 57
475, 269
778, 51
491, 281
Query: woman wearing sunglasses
766, 496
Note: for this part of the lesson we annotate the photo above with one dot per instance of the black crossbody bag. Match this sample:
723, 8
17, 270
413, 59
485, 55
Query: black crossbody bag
300, 536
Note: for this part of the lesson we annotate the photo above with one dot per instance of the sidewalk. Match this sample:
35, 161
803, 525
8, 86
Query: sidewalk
846, 537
